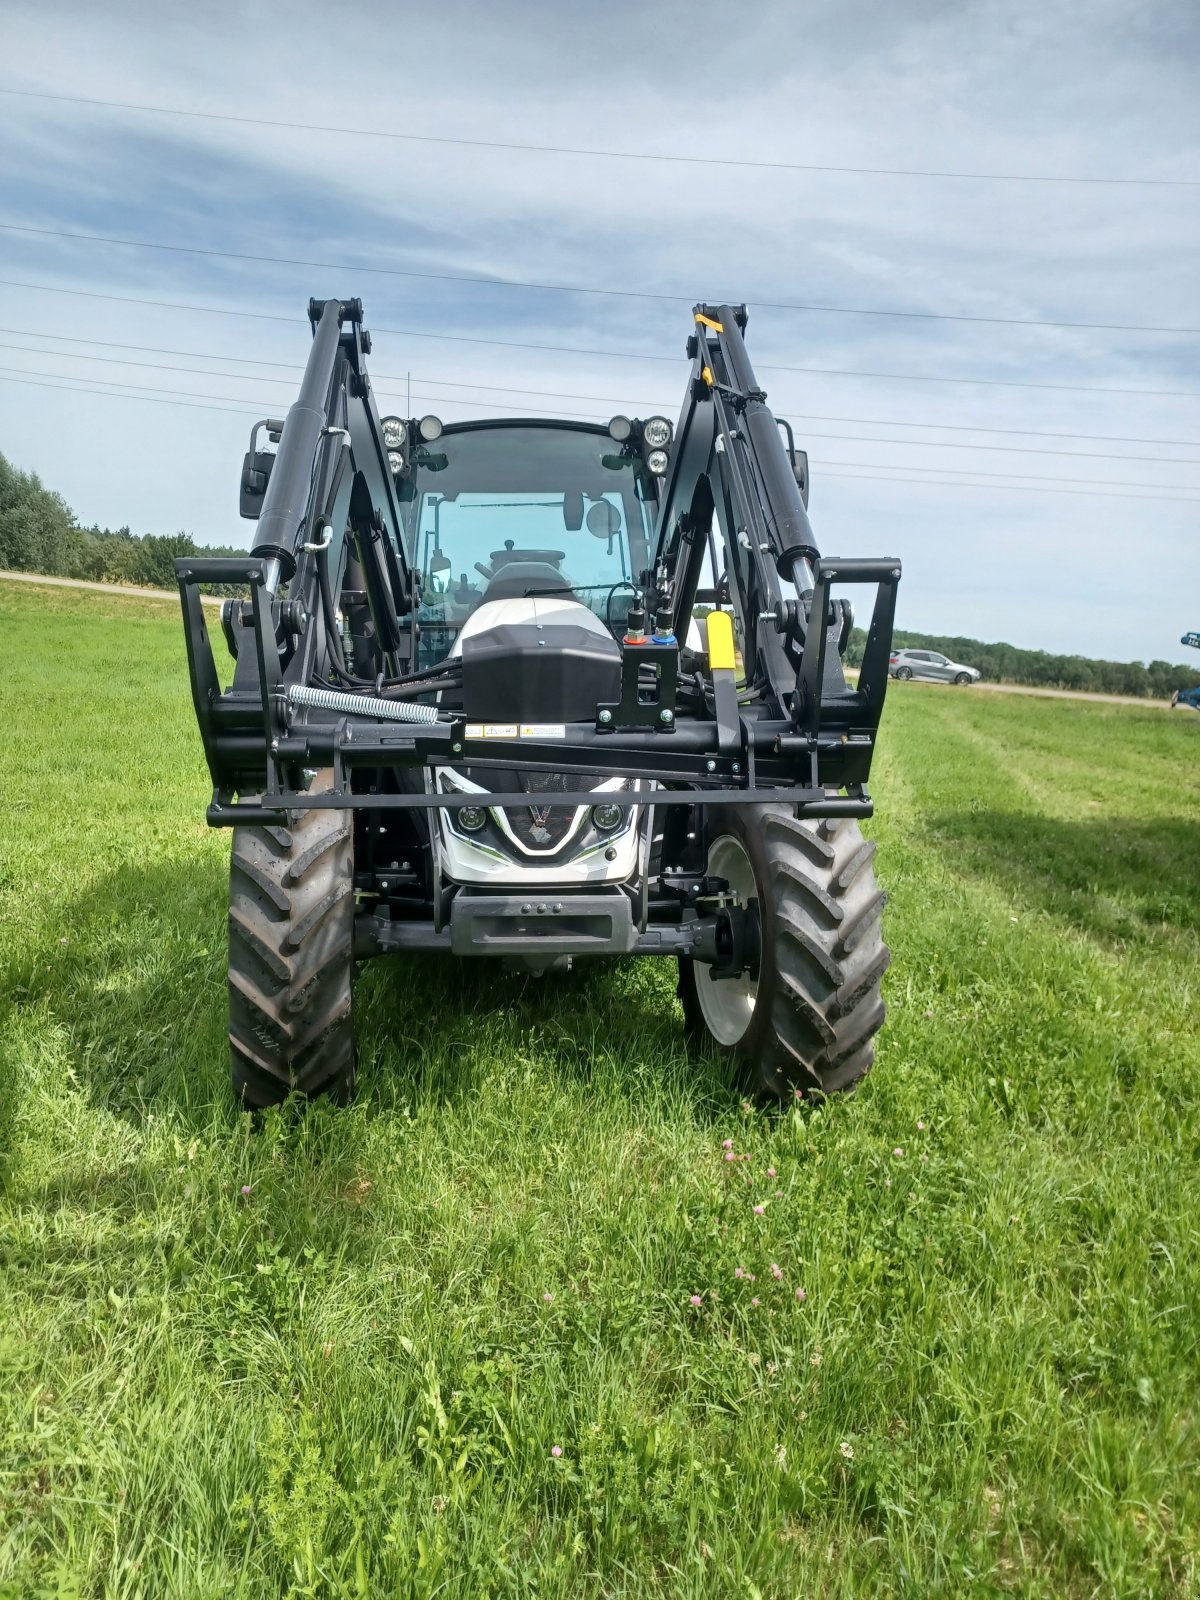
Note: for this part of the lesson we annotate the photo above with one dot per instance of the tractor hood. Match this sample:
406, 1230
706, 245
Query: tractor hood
543, 659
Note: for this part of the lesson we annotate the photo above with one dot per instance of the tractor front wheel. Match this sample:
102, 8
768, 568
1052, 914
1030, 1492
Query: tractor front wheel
291, 944
807, 1017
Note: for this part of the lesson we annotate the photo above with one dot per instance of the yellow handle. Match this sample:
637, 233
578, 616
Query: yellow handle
717, 327
720, 641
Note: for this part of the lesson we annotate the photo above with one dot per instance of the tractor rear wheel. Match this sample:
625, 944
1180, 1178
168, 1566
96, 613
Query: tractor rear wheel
291, 944
808, 1019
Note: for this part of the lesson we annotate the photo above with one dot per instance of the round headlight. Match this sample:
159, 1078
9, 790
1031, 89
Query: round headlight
394, 432
472, 818
657, 462
607, 816
656, 431
430, 428
396, 462
619, 429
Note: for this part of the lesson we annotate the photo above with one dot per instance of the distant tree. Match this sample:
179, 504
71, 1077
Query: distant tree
1006, 663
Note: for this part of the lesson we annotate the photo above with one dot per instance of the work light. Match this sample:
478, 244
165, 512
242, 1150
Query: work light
656, 431
430, 428
657, 462
394, 432
619, 429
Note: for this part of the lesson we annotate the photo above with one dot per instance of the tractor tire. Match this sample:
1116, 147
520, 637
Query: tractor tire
808, 1020
962, 677
904, 672
291, 944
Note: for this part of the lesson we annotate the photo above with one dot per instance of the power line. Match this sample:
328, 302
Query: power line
606, 155
677, 298
1155, 493
449, 383
809, 416
142, 301
883, 466
102, 394
1020, 488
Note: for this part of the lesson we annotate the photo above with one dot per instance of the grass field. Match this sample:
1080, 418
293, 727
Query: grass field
443, 1342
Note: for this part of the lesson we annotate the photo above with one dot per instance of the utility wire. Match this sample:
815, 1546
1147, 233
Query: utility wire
678, 298
583, 350
883, 466
466, 400
560, 394
1021, 488
104, 394
605, 155
1155, 493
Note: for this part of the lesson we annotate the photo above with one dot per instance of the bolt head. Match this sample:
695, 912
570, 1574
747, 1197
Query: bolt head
737, 766
457, 749
710, 766
666, 717
604, 718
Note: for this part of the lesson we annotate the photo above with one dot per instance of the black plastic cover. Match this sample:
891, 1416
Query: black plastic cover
520, 672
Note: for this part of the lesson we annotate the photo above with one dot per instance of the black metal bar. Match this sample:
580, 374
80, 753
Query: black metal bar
808, 802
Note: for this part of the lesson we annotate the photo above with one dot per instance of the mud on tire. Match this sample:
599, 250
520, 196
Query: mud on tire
291, 940
811, 1017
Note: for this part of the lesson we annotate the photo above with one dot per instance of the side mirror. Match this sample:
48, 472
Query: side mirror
603, 520
800, 468
573, 510
798, 458
439, 562
256, 474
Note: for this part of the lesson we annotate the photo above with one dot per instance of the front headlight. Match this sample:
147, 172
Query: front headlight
657, 462
607, 816
472, 818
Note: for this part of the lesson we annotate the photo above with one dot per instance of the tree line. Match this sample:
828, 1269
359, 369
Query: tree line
1006, 663
39, 533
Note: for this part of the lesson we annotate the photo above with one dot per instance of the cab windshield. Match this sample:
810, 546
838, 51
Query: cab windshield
504, 511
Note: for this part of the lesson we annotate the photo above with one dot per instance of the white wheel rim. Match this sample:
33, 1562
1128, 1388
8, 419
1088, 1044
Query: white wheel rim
727, 1004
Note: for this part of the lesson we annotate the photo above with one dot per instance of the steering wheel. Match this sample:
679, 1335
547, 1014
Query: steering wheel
501, 558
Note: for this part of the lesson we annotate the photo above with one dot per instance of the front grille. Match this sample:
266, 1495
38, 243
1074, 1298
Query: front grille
539, 827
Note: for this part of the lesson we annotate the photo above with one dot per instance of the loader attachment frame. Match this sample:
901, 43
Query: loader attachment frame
331, 541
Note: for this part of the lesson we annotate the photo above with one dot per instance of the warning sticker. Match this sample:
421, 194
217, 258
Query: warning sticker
513, 730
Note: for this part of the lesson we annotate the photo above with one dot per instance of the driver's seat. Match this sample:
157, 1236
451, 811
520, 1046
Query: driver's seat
516, 578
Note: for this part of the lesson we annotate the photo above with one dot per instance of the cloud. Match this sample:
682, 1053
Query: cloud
1050, 88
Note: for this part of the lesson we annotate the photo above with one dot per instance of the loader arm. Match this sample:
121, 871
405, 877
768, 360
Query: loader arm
734, 485
326, 647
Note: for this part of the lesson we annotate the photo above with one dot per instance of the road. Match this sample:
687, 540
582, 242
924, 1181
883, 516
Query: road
1023, 688
102, 588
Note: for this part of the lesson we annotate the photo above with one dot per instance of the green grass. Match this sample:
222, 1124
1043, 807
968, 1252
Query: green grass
350, 1381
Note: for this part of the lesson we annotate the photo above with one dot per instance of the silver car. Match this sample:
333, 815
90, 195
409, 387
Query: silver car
931, 665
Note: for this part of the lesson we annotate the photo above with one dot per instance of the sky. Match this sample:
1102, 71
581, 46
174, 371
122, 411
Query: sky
929, 438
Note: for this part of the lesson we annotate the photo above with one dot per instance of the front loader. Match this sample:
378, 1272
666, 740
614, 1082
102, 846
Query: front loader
541, 690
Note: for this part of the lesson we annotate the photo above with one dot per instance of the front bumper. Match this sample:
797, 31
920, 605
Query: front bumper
556, 925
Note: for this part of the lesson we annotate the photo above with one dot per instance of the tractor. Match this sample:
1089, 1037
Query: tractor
537, 691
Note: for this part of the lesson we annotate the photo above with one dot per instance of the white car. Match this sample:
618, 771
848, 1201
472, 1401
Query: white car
931, 665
